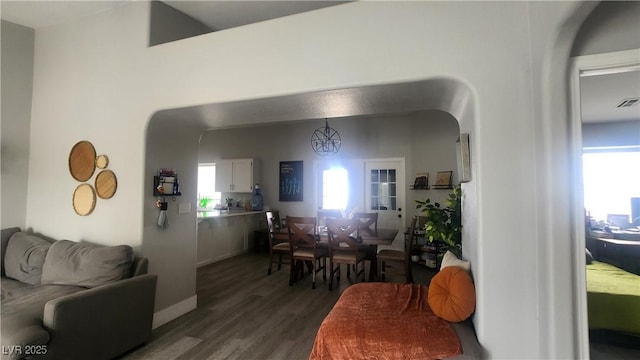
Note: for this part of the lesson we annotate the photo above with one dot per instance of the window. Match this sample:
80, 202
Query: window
383, 189
611, 179
207, 186
335, 188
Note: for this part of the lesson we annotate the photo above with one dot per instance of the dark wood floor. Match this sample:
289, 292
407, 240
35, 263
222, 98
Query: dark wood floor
244, 314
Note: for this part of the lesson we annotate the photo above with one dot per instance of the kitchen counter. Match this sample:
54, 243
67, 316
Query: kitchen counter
226, 233
225, 213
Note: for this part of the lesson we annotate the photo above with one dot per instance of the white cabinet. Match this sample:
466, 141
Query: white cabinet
226, 236
237, 175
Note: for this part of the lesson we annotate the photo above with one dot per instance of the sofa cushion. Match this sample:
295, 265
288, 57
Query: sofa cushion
84, 264
24, 257
450, 259
22, 310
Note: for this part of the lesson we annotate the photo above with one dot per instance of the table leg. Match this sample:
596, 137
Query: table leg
373, 266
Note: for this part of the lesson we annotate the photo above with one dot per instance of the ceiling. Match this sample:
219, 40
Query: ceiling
218, 15
600, 94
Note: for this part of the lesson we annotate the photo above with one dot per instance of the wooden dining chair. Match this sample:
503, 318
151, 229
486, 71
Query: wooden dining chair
278, 243
304, 247
368, 224
368, 220
344, 248
400, 257
323, 214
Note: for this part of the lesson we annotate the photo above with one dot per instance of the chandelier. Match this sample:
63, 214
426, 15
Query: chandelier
325, 140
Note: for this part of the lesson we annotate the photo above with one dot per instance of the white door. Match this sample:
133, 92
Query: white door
384, 193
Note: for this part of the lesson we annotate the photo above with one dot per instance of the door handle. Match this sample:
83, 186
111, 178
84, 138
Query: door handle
399, 215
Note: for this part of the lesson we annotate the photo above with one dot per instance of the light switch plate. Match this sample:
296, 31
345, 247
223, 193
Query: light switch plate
185, 208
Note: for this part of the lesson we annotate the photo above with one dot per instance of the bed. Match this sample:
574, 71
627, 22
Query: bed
613, 298
391, 321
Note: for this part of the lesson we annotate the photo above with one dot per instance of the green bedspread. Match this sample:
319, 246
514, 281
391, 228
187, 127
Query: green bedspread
613, 298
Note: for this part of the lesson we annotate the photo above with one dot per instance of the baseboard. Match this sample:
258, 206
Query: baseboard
220, 258
205, 262
174, 311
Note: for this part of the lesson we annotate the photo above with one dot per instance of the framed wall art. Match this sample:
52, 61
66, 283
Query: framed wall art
444, 180
421, 182
291, 184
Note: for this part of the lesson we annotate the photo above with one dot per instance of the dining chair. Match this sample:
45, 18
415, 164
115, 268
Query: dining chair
344, 248
304, 247
278, 243
397, 256
277, 222
368, 224
323, 214
368, 220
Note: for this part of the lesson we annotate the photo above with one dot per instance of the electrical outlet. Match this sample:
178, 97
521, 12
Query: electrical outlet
185, 208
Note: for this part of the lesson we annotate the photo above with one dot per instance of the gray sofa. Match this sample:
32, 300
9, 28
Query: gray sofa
72, 300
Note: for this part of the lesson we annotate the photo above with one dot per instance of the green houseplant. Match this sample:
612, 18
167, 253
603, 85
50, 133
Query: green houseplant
204, 202
444, 224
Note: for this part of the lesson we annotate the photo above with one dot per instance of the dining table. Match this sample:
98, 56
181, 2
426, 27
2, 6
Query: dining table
367, 237
371, 238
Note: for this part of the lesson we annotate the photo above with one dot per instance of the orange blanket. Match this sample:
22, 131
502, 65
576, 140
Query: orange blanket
384, 321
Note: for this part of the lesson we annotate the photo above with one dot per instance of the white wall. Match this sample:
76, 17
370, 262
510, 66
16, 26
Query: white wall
612, 26
172, 251
96, 80
17, 85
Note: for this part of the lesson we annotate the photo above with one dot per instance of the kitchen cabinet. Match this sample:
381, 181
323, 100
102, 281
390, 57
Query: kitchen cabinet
221, 237
237, 175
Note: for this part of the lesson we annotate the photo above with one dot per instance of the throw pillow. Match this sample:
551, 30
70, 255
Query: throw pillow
452, 295
24, 257
450, 259
84, 264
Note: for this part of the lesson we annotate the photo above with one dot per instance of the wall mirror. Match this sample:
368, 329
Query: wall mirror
82, 161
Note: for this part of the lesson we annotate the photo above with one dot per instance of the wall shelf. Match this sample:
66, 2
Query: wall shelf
156, 182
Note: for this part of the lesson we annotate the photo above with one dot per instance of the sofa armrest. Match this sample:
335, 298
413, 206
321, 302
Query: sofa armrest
102, 322
4, 241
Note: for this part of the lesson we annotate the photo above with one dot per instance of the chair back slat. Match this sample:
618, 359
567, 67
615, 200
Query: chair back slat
270, 224
343, 234
368, 221
302, 232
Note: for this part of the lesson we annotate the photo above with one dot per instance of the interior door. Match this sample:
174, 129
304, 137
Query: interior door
384, 193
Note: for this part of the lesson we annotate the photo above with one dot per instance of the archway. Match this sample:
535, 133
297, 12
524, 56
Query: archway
170, 145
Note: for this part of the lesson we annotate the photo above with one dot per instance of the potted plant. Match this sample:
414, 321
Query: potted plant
204, 202
229, 202
444, 224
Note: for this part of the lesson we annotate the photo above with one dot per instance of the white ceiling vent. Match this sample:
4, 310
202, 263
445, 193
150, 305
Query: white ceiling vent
628, 102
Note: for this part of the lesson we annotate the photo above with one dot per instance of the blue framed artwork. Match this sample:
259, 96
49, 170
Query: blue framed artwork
291, 181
